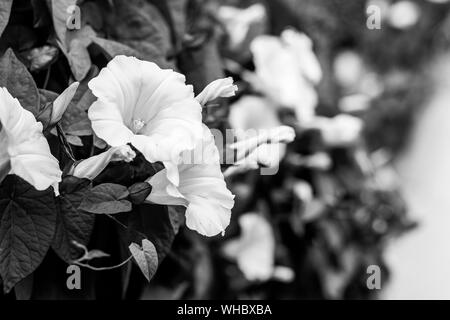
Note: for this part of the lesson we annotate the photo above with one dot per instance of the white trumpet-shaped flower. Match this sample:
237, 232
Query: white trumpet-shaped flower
287, 71
23, 147
151, 108
202, 189
221, 88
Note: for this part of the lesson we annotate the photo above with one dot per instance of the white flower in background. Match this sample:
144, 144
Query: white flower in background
264, 147
349, 68
354, 103
357, 81
202, 189
242, 25
403, 14
62, 102
260, 137
342, 130
221, 88
302, 47
23, 147
303, 191
93, 166
151, 108
287, 71
254, 250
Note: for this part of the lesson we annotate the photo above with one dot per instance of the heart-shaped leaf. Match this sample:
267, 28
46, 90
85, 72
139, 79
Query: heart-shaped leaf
139, 192
73, 224
107, 198
19, 82
27, 226
146, 257
5, 11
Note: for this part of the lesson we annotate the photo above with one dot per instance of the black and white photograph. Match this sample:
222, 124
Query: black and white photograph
241, 152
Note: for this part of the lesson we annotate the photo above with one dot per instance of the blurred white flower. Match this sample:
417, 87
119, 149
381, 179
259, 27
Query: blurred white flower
354, 103
354, 75
348, 68
287, 71
260, 137
242, 25
151, 108
403, 14
62, 102
93, 166
263, 147
23, 147
221, 88
202, 189
303, 191
252, 112
317, 161
342, 130
254, 250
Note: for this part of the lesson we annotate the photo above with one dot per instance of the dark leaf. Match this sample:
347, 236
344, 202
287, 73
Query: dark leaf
27, 226
156, 224
5, 11
112, 48
41, 15
73, 224
24, 289
83, 98
139, 192
139, 25
107, 198
60, 16
73, 43
128, 174
77, 51
19, 82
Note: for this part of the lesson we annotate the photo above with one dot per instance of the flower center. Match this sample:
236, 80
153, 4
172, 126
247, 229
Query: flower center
138, 124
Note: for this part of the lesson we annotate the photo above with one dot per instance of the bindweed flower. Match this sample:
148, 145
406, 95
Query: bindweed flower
93, 166
23, 147
342, 130
151, 108
264, 146
260, 137
202, 189
242, 26
404, 14
254, 250
287, 71
221, 88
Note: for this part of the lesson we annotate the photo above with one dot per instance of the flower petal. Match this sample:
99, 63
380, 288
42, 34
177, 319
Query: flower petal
27, 149
201, 189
